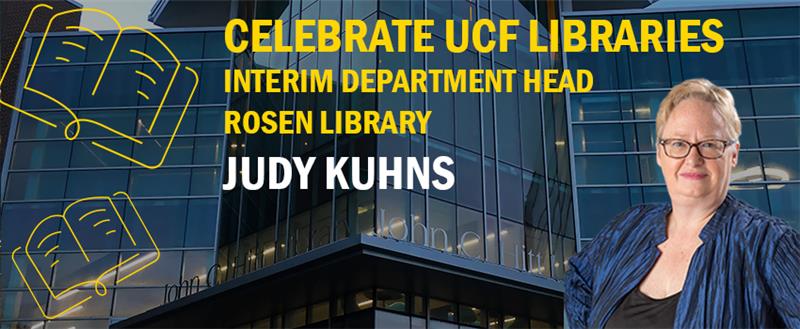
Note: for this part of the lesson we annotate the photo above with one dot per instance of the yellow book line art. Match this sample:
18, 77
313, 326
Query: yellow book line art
80, 221
70, 43
162, 80
84, 29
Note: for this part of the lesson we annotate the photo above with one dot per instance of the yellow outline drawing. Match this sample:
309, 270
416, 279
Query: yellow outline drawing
72, 128
135, 263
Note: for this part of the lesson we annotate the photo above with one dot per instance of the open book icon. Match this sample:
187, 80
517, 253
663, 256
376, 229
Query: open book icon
165, 83
85, 225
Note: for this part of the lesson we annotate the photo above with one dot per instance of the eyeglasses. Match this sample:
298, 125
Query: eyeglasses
709, 149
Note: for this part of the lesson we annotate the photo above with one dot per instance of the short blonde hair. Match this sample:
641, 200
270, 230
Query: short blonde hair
701, 89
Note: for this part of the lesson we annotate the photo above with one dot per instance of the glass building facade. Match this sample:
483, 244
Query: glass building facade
511, 197
511, 204
44, 173
613, 126
536, 175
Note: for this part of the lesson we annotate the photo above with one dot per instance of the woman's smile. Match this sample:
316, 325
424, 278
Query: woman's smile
694, 175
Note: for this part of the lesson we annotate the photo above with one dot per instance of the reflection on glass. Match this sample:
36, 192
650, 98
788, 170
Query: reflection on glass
442, 310
472, 316
470, 233
441, 229
511, 245
390, 300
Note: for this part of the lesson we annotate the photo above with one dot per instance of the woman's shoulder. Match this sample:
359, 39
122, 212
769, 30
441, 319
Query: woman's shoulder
750, 221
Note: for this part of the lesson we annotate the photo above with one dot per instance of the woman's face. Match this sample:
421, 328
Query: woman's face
695, 178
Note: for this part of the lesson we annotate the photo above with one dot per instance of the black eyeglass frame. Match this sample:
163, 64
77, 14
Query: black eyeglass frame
725, 144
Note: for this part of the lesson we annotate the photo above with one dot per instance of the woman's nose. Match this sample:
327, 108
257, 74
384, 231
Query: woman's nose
694, 155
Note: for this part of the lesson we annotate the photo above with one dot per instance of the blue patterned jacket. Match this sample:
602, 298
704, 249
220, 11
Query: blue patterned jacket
745, 274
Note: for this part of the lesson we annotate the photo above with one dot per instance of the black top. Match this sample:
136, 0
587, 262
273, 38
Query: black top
640, 311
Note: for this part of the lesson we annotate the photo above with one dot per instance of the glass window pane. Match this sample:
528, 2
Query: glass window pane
594, 107
210, 120
20, 305
94, 307
598, 206
512, 245
60, 82
468, 179
96, 182
35, 185
776, 101
748, 168
508, 146
762, 56
646, 104
598, 138
646, 136
118, 88
442, 226
91, 225
167, 119
770, 21
214, 46
782, 165
470, 233
656, 194
97, 50
119, 120
201, 223
165, 219
649, 70
211, 83
783, 202
613, 168
162, 182
749, 137
779, 132
299, 229
30, 128
85, 155
208, 150
755, 195
729, 19
390, 300
510, 192
537, 251
183, 45
393, 213
743, 100
722, 68
54, 47
490, 185
19, 217
197, 264
205, 181
321, 225
167, 270
129, 302
602, 65
468, 125
442, 310
73, 268
38, 155
391, 320
152, 150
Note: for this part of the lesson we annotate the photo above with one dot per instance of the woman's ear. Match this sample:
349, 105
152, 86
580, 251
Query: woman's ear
658, 154
735, 157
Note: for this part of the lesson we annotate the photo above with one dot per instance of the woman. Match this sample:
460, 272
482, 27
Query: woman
704, 260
